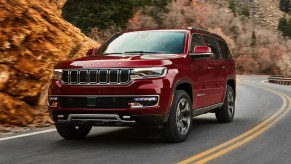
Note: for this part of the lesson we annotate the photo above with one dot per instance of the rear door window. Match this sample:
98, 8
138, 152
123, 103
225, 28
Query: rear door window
224, 50
210, 42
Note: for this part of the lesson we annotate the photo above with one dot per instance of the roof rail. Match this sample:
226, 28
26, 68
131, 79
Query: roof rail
200, 29
196, 28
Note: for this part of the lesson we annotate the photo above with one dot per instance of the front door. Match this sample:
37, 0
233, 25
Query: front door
203, 73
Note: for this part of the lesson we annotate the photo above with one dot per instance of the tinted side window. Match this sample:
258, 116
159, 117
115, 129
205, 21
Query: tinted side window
224, 50
195, 41
209, 41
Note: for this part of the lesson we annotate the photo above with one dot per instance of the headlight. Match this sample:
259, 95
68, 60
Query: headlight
57, 74
145, 73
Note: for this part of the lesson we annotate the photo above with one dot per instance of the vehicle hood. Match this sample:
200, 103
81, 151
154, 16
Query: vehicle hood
120, 61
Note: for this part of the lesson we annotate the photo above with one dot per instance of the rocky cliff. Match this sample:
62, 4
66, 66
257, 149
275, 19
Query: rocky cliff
33, 38
265, 13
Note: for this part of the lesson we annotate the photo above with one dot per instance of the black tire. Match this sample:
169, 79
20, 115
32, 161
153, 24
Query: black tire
178, 127
72, 132
225, 114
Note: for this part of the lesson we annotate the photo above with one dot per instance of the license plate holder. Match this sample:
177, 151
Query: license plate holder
91, 101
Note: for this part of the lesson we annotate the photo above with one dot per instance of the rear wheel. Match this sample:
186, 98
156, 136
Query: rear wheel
226, 113
72, 132
179, 124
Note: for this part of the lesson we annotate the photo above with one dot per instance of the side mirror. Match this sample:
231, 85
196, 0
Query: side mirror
202, 52
91, 51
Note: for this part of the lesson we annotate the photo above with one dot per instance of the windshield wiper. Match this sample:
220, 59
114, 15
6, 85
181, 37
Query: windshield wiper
131, 52
140, 52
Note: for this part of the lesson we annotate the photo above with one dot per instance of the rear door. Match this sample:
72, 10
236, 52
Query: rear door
216, 79
227, 66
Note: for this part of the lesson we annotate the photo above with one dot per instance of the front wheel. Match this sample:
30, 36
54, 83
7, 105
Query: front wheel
179, 124
72, 132
226, 113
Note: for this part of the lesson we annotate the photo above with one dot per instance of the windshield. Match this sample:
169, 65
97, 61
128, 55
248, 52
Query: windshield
146, 42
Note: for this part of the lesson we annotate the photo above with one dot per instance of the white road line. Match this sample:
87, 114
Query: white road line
264, 81
27, 134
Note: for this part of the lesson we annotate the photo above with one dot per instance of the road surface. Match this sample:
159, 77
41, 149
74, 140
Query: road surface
260, 133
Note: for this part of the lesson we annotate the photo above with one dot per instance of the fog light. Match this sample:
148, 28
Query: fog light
53, 98
53, 104
135, 105
146, 99
52, 101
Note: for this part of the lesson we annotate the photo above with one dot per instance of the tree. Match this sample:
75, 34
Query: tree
282, 27
285, 5
105, 14
288, 29
232, 7
253, 39
87, 14
245, 11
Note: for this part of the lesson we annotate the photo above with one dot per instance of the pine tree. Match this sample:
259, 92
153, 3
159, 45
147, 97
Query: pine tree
282, 27
284, 5
232, 7
245, 11
105, 14
288, 29
253, 39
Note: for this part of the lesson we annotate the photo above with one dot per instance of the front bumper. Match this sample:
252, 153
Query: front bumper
150, 113
108, 119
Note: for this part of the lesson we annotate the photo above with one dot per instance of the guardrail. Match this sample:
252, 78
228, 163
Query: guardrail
280, 80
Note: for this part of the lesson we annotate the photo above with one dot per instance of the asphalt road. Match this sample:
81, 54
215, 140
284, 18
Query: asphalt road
260, 133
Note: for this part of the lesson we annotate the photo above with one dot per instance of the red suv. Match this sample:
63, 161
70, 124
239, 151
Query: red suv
152, 77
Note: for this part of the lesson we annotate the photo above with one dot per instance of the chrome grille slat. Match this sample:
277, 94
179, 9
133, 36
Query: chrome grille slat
103, 76
124, 76
83, 76
74, 76
96, 76
113, 78
93, 76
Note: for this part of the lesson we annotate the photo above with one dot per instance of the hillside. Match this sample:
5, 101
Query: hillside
265, 13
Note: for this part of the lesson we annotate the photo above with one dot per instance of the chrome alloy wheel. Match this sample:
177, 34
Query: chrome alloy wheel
183, 116
230, 103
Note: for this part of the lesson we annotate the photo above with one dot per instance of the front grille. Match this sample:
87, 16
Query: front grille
96, 76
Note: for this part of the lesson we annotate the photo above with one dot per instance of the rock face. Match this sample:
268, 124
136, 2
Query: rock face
33, 38
265, 13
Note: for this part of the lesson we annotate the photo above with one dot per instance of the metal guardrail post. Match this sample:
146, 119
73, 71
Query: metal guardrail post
280, 80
